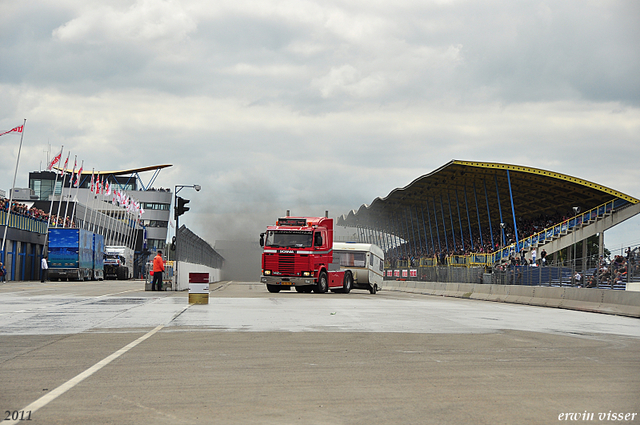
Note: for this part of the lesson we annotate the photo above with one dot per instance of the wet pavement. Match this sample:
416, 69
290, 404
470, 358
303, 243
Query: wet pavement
109, 352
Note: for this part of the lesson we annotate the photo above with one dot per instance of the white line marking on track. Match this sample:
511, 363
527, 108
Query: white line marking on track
52, 395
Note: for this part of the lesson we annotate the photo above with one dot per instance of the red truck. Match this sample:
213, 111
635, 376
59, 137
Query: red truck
298, 252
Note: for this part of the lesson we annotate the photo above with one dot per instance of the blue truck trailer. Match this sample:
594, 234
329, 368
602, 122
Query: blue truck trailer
75, 254
98, 257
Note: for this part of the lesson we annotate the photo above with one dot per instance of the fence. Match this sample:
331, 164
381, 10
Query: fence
589, 272
24, 223
192, 249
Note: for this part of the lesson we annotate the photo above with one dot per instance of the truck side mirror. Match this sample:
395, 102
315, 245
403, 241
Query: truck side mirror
261, 239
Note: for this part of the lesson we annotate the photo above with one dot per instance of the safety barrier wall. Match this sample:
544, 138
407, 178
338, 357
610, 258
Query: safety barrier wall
607, 301
21, 222
181, 281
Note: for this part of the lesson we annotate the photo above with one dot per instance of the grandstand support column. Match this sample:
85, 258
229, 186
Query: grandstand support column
584, 256
600, 245
435, 216
444, 223
408, 238
493, 245
453, 229
424, 227
466, 205
399, 250
500, 211
403, 250
513, 213
416, 250
460, 221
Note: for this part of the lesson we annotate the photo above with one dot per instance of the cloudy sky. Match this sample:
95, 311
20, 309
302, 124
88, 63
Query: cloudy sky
320, 105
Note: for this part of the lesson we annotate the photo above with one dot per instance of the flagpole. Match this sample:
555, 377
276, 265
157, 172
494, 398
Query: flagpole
15, 173
86, 207
66, 208
63, 173
53, 194
73, 213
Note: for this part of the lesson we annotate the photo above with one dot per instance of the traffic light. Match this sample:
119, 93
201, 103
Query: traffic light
180, 207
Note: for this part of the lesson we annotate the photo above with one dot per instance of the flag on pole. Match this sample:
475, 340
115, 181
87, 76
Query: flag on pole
92, 182
55, 160
62, 171
79, 174
75, 163
13, 130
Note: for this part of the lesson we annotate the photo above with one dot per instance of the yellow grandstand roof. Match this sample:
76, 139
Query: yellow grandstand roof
466, 193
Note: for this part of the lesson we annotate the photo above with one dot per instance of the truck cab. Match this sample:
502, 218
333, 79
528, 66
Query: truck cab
298, 252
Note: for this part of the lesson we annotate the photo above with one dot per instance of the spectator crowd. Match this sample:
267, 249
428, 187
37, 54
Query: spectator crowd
23, 210
459, 245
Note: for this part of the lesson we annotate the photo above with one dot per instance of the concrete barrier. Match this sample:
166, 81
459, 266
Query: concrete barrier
609, 301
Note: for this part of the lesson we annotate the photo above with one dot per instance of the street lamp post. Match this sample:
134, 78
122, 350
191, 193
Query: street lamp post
177, 189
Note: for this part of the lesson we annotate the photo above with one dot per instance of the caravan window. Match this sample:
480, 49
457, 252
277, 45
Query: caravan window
351, 258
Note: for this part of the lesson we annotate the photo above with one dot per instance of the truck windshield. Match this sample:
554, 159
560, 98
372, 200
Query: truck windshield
288, 239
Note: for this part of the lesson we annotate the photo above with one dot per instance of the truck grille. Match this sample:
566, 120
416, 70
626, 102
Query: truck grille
286, 264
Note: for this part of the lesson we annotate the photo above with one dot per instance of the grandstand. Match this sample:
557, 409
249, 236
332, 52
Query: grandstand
492, 217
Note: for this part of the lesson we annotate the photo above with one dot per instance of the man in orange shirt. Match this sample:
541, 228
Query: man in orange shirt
158, 268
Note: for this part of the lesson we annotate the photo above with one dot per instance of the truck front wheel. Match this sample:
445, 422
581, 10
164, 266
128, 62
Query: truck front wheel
322, 286
273, 288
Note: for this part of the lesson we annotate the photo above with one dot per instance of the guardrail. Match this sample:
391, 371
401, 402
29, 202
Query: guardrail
22, 222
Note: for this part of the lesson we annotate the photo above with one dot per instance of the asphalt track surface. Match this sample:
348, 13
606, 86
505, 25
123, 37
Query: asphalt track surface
111, 353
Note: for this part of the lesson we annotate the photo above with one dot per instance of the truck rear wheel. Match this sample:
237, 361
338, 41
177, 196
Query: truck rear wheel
348, 283
322, 286
273, 288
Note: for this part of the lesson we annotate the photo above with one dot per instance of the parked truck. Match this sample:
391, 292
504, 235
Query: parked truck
98, 257
118, 262
74, 254
298, 252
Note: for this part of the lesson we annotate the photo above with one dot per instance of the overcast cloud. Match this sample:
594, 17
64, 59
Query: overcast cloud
320, 105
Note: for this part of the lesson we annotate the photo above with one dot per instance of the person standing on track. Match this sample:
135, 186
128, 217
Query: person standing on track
44, 265
158, 269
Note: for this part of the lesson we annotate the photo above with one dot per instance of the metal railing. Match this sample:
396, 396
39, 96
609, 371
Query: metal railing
22, 222
192, 249
587, 272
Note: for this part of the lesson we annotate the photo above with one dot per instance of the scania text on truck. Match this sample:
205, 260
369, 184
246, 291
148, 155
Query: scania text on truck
298, 252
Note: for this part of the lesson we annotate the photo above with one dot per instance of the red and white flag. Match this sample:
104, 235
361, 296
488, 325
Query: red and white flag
13, 130
77, 183
62, 171
107, 188
92, 182
55, 160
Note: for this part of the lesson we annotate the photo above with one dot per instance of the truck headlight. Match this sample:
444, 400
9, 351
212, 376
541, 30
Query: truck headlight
267, 272
306, 274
